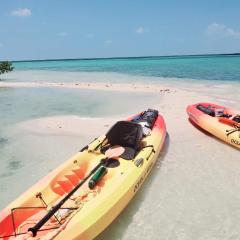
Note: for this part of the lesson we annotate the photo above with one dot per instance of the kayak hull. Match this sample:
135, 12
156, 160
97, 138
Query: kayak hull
95, 209
220, 127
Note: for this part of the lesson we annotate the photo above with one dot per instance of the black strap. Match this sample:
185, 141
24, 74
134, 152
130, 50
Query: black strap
100, 144
150, 146
153, 150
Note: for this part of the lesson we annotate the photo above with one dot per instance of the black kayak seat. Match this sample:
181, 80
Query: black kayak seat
128, 135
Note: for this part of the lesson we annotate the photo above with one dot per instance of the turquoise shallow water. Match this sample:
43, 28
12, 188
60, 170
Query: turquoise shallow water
209, 67
21, 152
20, 104
191, 164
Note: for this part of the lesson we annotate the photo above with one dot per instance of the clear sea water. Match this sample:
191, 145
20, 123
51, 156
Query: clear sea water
205, 67
29, 156
194, 197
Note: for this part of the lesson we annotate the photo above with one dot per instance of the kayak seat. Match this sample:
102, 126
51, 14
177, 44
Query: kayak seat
126, 134
129, 153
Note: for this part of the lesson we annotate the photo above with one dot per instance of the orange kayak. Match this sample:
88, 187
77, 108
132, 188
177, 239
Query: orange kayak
220, 121
81, 197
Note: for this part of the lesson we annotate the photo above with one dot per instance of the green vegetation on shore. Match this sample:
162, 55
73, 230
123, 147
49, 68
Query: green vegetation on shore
5, 67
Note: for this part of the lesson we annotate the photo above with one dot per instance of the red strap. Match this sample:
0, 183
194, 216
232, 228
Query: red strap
228, 121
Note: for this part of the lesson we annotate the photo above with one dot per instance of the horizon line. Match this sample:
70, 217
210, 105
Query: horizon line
131, 57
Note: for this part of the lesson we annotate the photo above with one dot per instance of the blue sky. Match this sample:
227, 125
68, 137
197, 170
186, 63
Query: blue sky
50, 29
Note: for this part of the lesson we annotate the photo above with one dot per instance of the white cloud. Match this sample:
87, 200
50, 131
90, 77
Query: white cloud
1, 45
62, 34
140, 30
22, 12
220, 30
108, 42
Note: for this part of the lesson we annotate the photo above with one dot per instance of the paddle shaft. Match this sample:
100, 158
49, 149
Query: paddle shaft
35, 228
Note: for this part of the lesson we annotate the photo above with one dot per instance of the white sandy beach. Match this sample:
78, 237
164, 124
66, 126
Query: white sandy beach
194, 190
119, 87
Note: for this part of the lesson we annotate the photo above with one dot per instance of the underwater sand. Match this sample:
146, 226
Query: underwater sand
192, 193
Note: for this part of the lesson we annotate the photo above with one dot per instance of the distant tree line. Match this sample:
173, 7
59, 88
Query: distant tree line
5, 67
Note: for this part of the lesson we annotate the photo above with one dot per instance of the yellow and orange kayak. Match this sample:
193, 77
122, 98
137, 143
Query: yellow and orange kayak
222, 122
91, 207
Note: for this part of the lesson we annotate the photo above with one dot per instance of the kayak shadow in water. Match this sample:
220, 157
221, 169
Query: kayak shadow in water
117, 228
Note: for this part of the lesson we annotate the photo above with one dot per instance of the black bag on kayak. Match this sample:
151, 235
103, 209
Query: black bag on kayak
207, 110
148, 117
236, 118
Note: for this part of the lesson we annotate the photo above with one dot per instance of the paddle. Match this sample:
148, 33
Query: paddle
113, 152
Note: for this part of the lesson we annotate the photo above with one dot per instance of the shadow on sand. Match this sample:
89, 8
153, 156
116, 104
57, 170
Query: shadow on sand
117, 228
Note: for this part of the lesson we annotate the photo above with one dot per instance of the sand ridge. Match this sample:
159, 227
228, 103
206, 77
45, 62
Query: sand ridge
123, 87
